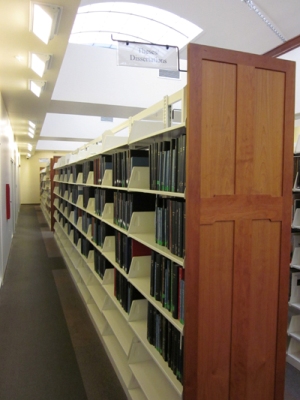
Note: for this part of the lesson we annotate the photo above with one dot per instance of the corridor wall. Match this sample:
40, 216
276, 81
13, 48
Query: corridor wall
9, 187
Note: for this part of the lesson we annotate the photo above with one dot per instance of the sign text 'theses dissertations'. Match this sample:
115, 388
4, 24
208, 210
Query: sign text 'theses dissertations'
147, 56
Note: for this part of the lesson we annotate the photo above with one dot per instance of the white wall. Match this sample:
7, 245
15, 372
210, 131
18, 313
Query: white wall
9, 175
294, 55
30, 176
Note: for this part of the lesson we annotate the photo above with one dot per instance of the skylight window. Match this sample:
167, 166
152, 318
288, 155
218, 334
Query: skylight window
96, 23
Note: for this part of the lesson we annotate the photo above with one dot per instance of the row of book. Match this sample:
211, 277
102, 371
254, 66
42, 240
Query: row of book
100, 230
127, 203
101, 264
101, 164
167, 284
170, 224
123, 163
87, 167
167, 165
76, 192
166, 160
68, 208
76, 169
64, 222
169, 217
86, 221
66, 172
124, 291
126, 248
167, 340
102, 196
73, 191
62, 204
85, 245
62, 188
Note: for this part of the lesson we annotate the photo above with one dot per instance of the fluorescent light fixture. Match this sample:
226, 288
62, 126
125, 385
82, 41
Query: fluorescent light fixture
39, 63
36, 87
28, 155
254, 7
32, 125
44, 20
31, 130
30, 134
29, 147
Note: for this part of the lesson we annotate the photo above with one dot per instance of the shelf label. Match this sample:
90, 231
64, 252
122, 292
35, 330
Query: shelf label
133, 54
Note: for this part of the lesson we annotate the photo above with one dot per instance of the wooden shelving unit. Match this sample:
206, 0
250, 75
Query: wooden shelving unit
293, 350
124, 335
47, 192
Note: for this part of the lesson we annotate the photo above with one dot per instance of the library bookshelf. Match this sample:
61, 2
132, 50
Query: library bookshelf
47, 194
219, 331
90, 222
293, 350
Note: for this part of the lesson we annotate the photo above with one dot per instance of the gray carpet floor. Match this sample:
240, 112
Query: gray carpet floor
49, 347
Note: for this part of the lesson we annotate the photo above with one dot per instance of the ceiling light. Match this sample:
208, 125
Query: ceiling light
31, 124
39, 63
28, 155
31, 130
19, 58
29, 146
44, 20
31, 135
253, 7
36, 87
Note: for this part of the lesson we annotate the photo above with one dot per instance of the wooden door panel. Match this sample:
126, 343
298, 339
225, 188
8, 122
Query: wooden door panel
218, 120
268, 132
215, 308
255, 309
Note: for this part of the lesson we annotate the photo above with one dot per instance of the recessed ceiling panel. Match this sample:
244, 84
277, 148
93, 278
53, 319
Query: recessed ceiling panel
76, 126
51, 145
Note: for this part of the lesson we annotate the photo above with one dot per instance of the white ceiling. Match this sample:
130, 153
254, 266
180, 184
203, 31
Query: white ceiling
84, 83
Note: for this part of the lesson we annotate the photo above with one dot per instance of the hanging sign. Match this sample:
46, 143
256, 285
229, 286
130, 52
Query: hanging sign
143, 55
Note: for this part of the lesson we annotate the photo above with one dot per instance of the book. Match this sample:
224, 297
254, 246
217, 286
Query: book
181, 294
158, 277
133, 294
152, 274
150, 323
88, 192
87, 167
101, 264
174, 289
135, 158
